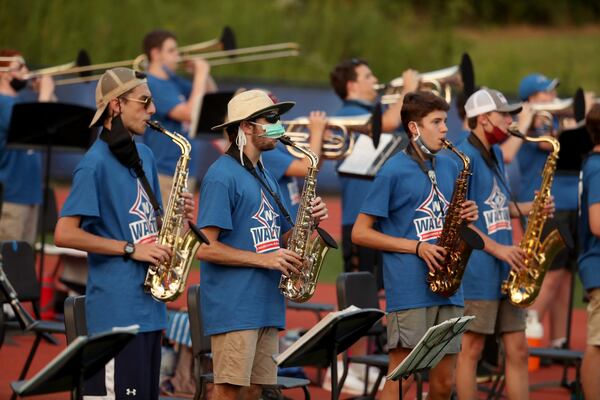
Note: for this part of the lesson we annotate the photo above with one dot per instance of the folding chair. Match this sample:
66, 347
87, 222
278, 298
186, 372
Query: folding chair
360, 289
201, 349
18, 261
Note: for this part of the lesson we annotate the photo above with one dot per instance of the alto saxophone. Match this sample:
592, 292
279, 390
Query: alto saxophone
458, 240
523, 287
300, 287
166, 280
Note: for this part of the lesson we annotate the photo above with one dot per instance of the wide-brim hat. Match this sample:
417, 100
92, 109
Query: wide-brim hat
252, 104
112, 84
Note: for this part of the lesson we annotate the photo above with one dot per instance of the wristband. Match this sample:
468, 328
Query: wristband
417, 249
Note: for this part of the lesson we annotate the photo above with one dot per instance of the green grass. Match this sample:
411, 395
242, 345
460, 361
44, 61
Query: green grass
392, 35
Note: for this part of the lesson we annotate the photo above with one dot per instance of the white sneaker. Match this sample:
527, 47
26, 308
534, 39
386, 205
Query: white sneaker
352, 385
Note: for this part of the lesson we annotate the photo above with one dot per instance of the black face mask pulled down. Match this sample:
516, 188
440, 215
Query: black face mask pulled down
122, 146
18, 84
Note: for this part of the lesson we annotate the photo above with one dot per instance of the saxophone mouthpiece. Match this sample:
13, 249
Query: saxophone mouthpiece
286, 140
513, 129
154, 125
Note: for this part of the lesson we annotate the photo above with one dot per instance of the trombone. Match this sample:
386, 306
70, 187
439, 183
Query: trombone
439, 82
342, 140
225, 57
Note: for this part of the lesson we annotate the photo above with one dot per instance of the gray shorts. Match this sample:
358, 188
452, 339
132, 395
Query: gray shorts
495, 316
405, 328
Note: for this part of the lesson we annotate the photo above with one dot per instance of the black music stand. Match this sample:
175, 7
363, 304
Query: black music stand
212, 112
430, 349
43, 126
331, 336
79, 361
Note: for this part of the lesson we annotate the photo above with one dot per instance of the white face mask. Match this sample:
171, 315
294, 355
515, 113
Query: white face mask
417, 139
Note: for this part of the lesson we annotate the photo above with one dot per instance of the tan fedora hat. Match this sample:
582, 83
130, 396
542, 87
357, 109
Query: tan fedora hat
251, 104
112, 84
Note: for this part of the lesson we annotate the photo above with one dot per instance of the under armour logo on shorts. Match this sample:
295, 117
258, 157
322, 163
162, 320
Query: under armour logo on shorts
130, 392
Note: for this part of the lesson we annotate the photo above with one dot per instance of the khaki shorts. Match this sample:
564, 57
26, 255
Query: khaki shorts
593, 312
495, 316
19, 222
245, 357
405, 328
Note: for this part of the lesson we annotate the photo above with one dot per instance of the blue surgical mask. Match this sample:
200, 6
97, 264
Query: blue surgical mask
272, 131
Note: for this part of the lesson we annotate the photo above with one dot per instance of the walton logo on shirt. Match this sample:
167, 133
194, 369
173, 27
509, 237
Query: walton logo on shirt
266, 236
435, 206
498, 217
144, 229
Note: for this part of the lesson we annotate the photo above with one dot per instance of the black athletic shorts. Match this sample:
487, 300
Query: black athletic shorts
132, 374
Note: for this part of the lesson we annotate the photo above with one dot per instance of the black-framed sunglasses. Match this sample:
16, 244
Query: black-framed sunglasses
147, 101
271, 117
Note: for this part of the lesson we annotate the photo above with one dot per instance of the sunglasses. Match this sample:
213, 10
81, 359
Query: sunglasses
270, 117
146, 101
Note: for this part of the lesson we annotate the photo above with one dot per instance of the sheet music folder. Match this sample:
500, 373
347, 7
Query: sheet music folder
60, 125
78, 362
431, 348
365, 160
212, 112
337, 330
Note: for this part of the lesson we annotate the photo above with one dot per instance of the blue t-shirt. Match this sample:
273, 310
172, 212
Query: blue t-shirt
354, 190
406, 206
531, 164
20, 170
484, 273
589, 259
238, 298
277, 161
166, 94
112, 203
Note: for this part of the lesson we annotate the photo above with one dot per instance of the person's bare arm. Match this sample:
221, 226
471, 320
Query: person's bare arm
364, 234
68, 233
512, 255
594, 217
391, 120
200, 85
216, 252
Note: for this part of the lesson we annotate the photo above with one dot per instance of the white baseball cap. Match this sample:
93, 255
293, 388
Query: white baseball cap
486, 100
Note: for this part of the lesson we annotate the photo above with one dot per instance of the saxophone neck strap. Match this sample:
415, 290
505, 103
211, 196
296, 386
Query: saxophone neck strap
429, 172
125, 151
234, 153
492, 162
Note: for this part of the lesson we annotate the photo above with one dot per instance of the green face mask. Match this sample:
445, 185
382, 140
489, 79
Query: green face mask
272, 131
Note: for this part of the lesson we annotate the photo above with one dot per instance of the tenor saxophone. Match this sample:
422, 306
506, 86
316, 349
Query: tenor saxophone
458, 240
523, 287
301, 286
166, 280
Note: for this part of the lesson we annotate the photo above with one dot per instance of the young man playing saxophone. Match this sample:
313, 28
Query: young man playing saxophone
109, 214
489, 116
245, 220
408, 201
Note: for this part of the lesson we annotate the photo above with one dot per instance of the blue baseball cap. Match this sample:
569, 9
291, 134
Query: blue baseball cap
534, 83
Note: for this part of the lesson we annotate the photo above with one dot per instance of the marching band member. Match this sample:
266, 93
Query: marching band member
354, 83
244, 218
589, 259
531, 157
109, 214
408, 207
20, 170
174, 98
489, 116
286, 168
